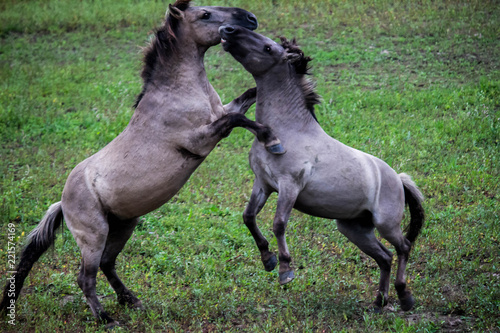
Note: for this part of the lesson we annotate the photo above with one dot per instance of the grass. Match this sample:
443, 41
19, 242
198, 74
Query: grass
414, 83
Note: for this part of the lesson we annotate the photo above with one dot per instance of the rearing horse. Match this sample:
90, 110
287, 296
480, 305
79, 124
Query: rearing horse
319, 175
178, 120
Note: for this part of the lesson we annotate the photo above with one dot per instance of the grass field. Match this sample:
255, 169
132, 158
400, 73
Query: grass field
416, 83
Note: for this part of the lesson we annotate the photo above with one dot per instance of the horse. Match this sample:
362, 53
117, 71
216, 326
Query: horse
178, 120
319, 175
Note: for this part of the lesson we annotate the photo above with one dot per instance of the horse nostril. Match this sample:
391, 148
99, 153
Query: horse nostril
252, 18
228, 29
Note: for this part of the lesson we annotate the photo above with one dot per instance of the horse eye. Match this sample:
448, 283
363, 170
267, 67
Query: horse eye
206, 16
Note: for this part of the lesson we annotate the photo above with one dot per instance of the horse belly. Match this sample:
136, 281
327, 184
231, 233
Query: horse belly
346, 193
146, 197
338, 205
141, 185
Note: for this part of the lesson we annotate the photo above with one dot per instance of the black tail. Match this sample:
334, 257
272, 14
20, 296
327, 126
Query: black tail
413, 198
39, 240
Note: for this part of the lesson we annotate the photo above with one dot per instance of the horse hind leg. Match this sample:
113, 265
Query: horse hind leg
90, 230
361, 233
405, 298
91, 257
403, 247
118, 235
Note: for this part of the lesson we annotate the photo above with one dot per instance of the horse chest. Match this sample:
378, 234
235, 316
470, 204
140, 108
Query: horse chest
276, 170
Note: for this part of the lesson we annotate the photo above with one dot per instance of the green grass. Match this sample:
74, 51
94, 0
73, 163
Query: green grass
416, 83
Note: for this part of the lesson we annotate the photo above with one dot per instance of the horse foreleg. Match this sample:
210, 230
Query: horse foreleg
286, 200
119, 233
242, 103
257, 201
199, 142
224, 125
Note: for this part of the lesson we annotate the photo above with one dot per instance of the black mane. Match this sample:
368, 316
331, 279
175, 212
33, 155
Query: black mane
163, 44
301, 66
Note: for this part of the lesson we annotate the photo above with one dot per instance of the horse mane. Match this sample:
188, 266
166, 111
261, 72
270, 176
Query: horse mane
301, 65
161, 46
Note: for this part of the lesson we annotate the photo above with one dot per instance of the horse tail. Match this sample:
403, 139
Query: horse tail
39, 240
414, 199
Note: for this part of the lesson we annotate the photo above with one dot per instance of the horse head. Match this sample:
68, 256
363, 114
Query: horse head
201, 24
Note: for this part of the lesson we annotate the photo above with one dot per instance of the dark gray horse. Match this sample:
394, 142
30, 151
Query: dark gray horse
319, 175
177, 122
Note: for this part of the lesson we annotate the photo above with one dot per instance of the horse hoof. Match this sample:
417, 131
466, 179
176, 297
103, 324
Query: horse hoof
407, 303
376, 309
276, 149
286, 277
270, 263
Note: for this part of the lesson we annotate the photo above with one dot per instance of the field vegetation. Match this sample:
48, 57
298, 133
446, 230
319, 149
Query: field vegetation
416, 83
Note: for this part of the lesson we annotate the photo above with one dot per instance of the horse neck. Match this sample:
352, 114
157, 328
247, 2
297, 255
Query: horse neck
281, 101
175, 74
183, 67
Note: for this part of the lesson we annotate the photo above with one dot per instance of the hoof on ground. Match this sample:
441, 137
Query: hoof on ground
276, 149
286, 277
407, 303
376, 309
270, 263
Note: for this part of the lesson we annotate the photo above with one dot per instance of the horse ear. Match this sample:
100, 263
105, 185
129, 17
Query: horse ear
175, 12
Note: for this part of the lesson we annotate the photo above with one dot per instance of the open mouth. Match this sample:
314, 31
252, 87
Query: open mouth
224, 31
226, 46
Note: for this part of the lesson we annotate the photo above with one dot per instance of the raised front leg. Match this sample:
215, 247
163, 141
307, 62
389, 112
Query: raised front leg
264, 134
286, 201
199, 142
242, 103
257, 201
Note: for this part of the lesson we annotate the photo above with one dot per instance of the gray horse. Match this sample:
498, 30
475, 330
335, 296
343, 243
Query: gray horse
319, 175
178, 120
